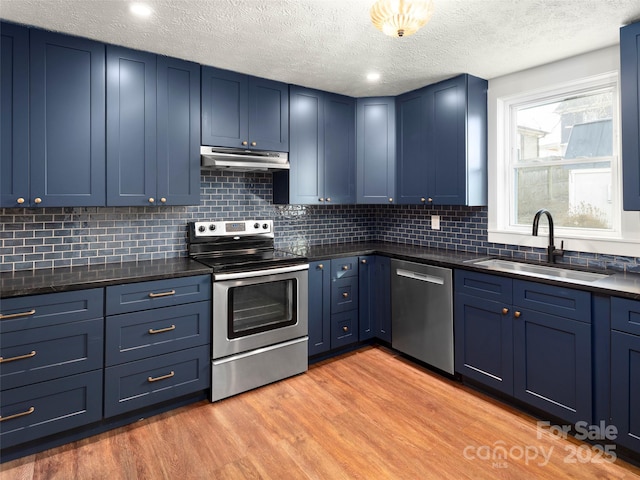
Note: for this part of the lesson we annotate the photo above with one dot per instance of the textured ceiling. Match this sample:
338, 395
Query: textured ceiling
332, 45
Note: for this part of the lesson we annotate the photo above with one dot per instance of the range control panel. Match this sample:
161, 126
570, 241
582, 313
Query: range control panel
236, 228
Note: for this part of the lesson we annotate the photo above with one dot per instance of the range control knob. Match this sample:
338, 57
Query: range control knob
265, 226
201, 228
212, 227
256, 225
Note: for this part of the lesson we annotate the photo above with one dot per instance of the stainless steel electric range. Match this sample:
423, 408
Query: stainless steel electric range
260, 320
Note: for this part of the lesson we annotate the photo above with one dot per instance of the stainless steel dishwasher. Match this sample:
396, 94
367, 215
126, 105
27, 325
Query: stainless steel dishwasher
422, 313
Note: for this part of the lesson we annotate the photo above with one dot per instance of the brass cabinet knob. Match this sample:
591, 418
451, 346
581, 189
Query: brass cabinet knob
20, 201
152, 200
505, 311
423, 199
321, 199
364, 260
390, 199
38, 200
253, 144
429, 199
163, 200
345, 295
345, 267
345, 329
245, 143
320, 267
328, 199
517, 314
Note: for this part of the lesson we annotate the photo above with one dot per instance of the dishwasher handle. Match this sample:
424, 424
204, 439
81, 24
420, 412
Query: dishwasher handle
423, 277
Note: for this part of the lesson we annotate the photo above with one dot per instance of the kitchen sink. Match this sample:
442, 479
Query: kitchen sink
543, 271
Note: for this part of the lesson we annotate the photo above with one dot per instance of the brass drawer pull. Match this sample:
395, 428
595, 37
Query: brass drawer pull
345, 295
345, 267
19, 357
345, 329
163, 377
17, 315
162, 294
162, 330
18, 415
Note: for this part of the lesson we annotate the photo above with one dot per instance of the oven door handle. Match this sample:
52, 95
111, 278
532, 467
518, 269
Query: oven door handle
259, 273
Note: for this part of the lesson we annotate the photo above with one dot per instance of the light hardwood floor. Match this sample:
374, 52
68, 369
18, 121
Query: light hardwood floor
368, 414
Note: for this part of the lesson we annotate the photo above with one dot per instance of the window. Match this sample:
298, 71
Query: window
554, 135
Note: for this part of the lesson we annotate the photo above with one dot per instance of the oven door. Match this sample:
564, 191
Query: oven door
258, 309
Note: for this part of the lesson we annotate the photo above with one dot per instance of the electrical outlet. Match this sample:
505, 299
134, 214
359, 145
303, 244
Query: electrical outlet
435, 222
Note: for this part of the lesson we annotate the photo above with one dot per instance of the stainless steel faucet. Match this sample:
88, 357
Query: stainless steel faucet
552, 252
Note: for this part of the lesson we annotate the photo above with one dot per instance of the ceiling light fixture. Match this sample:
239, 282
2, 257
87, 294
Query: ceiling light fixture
140, 9
373, 76
401, 18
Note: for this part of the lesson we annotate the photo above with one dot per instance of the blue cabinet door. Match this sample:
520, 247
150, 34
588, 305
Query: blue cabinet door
339, 149
268, 115
67, 117
306, 143
630, 94
484, 341
412, 143
366, 297
376, 149
625, 388
131, 127
552, 364
178, 132
382, 293
14, 122
224, 108
319, 307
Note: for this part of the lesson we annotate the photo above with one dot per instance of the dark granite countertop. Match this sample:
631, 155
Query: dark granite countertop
30, 282
616, 283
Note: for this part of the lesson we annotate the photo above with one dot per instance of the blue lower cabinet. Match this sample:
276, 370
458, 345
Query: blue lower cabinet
344, 328
344, 294
46, 408
552, 365
374, 298
484, 342
146, 382
319, 307
625, 388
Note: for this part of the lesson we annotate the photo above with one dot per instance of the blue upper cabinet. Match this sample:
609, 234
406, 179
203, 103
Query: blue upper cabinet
442, 143
14, 122
153, 126
630, 94
339, 149
67, 121
322, 152
376, 149
178, 132
131, 127
244, 112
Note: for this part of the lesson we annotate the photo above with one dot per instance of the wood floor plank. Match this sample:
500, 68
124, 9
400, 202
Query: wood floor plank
369, 414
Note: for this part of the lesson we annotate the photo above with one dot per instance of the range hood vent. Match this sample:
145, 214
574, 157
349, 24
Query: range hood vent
240, 160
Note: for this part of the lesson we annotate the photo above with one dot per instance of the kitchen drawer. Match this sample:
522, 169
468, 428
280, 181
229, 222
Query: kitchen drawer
133, 336
625, 315
45, 408
344, 294
484, 285
50, 352
559, 301
344, 267
133, 297
146, 382
35, 311
344, 328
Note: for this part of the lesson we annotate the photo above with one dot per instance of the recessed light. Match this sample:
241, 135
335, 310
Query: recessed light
373, 76
140, 9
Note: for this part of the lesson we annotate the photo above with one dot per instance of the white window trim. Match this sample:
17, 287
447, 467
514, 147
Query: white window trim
588, 68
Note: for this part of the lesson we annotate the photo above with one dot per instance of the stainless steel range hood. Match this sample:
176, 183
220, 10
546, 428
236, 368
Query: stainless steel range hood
240, 160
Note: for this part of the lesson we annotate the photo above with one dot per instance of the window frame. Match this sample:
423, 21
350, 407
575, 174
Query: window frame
581, 73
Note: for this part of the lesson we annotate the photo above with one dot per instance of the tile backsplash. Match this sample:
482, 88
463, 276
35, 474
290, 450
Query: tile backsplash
56, 237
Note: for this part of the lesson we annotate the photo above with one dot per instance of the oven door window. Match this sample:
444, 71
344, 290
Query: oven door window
261, 307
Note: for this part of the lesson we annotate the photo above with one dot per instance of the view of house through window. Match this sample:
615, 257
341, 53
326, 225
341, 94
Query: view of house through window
562, 159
